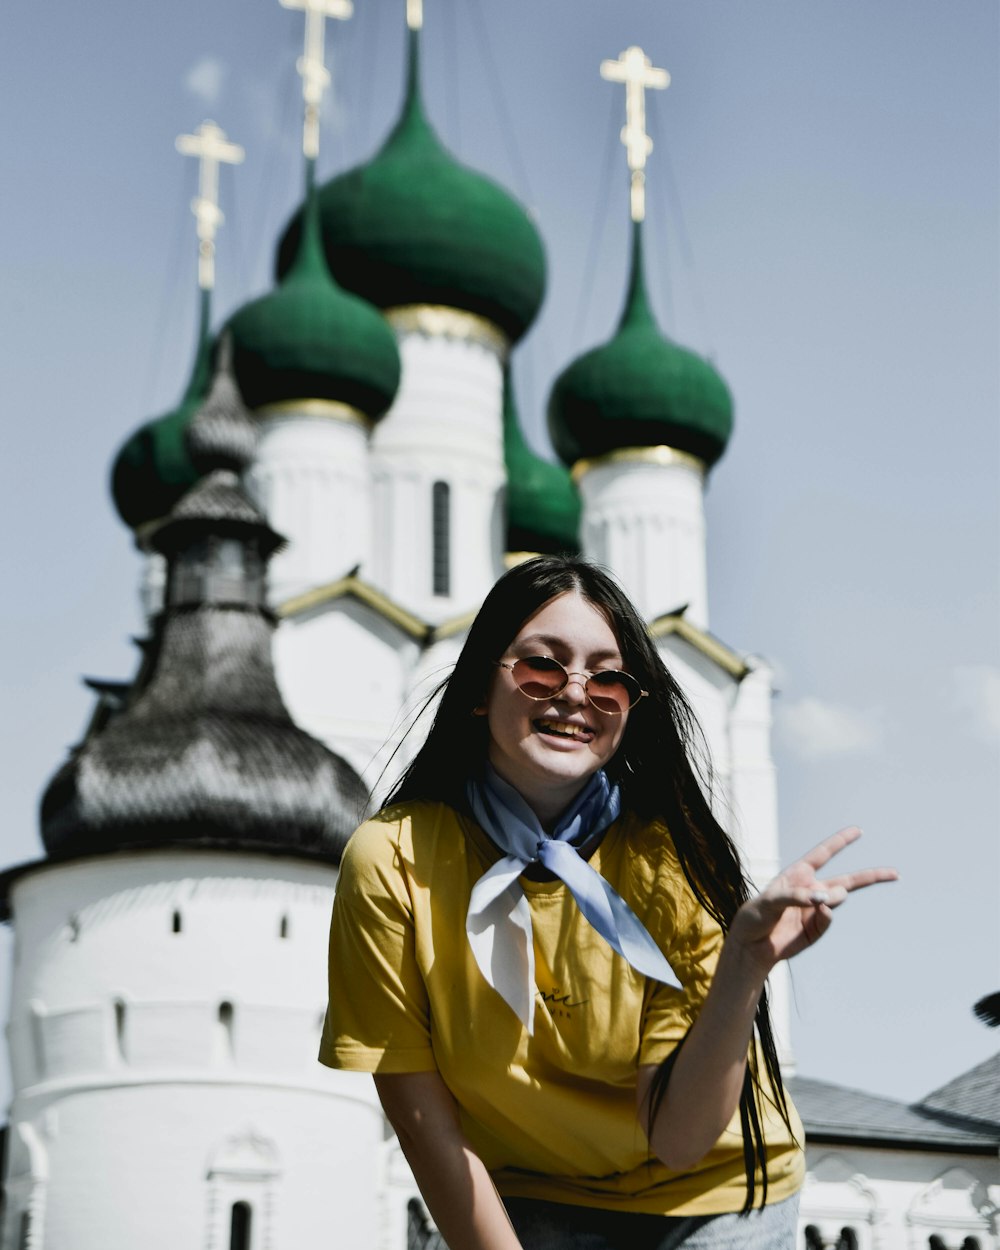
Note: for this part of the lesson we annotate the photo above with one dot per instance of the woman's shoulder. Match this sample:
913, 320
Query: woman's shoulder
395, 830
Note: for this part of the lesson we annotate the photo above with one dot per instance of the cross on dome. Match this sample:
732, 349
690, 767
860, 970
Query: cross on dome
637, 72
210, 145
312, 64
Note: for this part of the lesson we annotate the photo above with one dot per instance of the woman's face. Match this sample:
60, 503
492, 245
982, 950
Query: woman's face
549, 749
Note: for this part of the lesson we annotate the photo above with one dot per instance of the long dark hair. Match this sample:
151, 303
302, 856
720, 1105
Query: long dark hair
662, 767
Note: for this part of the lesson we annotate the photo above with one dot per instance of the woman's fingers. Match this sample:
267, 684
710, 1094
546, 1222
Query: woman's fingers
824, 851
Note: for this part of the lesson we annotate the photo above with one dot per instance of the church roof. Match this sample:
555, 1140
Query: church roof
204, 752
414, 226
975, 1095
639, 389
309, 339
153, 469
836, 1114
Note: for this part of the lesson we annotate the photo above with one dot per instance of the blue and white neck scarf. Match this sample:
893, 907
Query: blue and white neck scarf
498, 922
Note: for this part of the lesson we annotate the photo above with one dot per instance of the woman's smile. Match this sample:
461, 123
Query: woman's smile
548, 749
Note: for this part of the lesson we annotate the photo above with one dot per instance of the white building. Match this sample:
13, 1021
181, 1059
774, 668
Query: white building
169, 978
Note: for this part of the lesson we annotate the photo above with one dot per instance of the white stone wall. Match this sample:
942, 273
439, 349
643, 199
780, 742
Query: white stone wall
166, 1012
896, 1200
445, 426
646, 521
310, 478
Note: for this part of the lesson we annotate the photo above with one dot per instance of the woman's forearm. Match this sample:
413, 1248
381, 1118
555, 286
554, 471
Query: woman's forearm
704, 1087
452, 1179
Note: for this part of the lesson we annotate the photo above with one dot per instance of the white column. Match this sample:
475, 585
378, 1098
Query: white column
754, 797
310, 478
644, 518
446, 426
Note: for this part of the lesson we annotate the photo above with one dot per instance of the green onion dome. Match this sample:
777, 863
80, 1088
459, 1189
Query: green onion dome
413, 226
308, 339
543, 504
639, 390
153, 469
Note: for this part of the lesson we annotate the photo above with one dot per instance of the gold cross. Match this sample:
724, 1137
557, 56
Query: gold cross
637, 72
210, 145
312, 64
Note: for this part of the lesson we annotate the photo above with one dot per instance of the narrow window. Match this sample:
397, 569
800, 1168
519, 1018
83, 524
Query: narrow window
176, 922
24, 1231
848, 1239
226, 1048
813, 1239
936, 1242
971, 1243
441, 536
239, 1226
120, 1029
283, 928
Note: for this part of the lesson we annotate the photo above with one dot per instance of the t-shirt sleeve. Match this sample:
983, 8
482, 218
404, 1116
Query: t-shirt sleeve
692, 947
378, 1018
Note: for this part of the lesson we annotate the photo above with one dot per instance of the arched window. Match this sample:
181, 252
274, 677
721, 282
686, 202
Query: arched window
441, 537
283, 927
813, 1240
239, 1226
936, 1243
848, 1239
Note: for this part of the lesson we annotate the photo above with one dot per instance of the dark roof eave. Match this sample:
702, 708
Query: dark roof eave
846, 1136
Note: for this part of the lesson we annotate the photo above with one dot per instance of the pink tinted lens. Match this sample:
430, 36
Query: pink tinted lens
538, 676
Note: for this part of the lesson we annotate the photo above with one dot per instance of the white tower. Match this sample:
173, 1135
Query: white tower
169, 985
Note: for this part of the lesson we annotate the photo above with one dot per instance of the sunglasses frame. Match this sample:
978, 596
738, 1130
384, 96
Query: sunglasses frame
554, 694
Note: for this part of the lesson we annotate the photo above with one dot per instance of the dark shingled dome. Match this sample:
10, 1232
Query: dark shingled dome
204, 752
413, 226
639, 390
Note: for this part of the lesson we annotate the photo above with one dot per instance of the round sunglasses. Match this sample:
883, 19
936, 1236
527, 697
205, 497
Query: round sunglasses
541, 677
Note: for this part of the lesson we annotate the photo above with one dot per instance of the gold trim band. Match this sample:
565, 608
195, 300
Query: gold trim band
660, 455
711, 647
331, 409
439, 321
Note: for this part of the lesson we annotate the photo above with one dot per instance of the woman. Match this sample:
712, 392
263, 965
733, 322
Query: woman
544, 949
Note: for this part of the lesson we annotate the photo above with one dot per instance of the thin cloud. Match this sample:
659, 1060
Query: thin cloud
814, 729
205, 79
976, 697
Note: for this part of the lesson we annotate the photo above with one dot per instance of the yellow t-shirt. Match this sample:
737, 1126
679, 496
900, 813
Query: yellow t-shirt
552, 1115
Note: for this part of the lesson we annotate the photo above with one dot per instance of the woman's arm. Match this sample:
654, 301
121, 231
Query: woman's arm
703, 1092
456, 1186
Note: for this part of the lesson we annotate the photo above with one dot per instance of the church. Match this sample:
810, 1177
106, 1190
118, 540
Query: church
343, 480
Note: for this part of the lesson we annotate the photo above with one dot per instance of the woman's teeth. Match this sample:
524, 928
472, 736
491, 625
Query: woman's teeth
563, 730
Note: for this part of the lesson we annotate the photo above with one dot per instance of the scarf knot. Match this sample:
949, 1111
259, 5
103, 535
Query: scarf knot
498, 922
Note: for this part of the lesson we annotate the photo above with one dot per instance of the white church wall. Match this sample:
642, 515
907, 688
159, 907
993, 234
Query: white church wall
344, 672
166, 1003
310, 478
645, 519
899, 1199
444, 427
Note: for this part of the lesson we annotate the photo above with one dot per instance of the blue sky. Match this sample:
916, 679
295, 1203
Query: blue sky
823, 222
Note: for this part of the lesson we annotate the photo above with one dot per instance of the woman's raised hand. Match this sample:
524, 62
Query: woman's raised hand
796, 909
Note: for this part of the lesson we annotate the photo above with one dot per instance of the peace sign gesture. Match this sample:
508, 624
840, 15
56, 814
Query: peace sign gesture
796, 909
